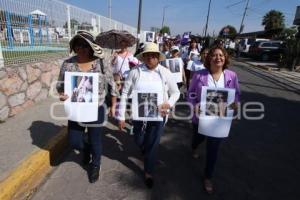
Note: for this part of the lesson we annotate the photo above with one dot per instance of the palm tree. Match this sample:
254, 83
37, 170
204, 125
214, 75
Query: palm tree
273, 20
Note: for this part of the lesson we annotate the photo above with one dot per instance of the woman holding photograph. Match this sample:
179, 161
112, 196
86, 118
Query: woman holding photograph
123, 60
197, 65
149, 75
88, 58
175, 54
215, 75
191, 54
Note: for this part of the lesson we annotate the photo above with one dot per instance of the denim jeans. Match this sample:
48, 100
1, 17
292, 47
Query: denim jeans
212, 149
148, 139
93, 144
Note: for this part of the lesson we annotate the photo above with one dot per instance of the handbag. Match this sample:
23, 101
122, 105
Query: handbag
108, 88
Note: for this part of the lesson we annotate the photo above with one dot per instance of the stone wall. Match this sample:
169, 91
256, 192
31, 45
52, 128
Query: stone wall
22, 86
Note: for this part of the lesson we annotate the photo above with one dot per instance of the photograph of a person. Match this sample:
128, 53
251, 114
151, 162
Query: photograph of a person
149, 37
82, 89
174, 65
171, 65
164, 63
177, 66
147, 105
216, 103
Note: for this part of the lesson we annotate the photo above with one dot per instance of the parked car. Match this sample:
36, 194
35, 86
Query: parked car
267, 50
247, 42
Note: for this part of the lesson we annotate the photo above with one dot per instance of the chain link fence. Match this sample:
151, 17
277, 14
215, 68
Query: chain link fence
32, 30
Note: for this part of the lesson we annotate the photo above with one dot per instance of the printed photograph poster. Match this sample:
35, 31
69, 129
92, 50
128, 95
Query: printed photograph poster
164, 63
176, 67
149, 36
194, 56
145, 105
216, 116
82, 89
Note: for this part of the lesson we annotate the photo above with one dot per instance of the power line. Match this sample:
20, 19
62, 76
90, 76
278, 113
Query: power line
234, 4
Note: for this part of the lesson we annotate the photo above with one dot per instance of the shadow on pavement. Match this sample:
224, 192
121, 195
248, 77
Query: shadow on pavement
259, 160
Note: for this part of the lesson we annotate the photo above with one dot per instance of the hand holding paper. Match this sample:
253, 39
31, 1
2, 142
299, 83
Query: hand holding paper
233, 106
164, 109
197, 110
121, 124
63, 97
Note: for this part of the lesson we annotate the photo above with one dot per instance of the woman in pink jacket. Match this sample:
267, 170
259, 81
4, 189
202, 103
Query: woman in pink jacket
215, 75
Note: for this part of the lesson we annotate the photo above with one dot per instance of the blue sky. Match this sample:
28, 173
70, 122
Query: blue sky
190, 15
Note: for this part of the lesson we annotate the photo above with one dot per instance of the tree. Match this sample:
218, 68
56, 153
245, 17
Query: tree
288, 33
273, 20
291, 56
165, 29
228, 31
74, 23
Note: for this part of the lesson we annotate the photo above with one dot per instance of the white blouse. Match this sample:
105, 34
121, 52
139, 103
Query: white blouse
217, 84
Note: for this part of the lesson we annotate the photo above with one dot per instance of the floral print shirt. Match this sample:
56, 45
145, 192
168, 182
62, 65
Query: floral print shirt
106, 80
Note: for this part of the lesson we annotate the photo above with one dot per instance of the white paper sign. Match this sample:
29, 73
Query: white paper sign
145, 105
176, 67
216, 117
82, 89
149, 36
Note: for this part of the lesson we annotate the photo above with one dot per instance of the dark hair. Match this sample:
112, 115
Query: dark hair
211, 52
190, 48
75, 42
204, 49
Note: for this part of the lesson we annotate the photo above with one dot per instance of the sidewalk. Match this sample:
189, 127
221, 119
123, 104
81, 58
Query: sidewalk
27, 148
288, 78
263, 65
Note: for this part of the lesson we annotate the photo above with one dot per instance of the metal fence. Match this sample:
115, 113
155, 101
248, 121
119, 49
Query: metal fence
40, 29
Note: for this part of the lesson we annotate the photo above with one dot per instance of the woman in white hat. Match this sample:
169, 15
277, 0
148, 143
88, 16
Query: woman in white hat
150, 74
88, 58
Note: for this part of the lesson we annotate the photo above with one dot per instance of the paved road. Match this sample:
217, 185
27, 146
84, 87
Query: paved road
259, 161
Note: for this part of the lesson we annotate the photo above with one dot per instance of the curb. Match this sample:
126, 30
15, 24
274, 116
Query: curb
23, 180
268, 68
264, 67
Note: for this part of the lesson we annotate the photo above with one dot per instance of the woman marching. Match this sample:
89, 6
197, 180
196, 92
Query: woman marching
191, 54
215, 75
149, 75
88, 58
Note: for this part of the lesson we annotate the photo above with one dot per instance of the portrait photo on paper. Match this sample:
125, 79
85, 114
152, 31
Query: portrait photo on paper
147, 105
82, 89
216, 103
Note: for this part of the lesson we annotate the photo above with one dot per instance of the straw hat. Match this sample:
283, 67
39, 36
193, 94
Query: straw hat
151, 47
89, 38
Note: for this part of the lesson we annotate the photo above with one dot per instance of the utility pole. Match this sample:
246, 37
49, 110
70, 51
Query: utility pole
109, 9
163, 19
109, 12
139, 24
208, 12
242, 23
